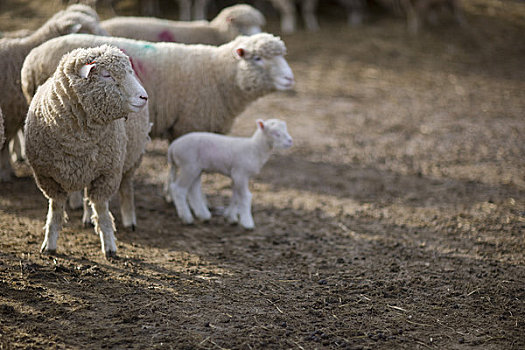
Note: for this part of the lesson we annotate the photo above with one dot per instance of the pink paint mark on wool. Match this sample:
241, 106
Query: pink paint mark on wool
166, 35
136, 65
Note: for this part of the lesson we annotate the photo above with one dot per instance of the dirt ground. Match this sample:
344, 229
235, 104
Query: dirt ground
397, 220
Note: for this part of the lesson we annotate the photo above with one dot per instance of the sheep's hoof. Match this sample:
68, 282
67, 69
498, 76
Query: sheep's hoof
46, 251
87, 224
110, 254
133, 227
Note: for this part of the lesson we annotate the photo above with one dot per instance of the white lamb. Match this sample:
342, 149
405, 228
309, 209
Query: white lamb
77, 137
191, 87
226, 26
237, 157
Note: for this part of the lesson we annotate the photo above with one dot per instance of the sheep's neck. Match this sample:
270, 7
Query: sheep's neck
40, 36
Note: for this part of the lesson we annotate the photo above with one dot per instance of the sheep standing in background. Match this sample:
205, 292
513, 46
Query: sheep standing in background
419, 11
12, 54
199, 9
76, 136
288, 14
226, 26
190, 87
236, 157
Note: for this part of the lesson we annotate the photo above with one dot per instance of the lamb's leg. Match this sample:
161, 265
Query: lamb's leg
179, 192
6, 171
104, 227
240, 186
308, 9
127, 200
232, 211
55, 217
197, 201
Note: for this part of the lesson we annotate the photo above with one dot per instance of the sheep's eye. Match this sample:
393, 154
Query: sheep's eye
106, 75
257, 58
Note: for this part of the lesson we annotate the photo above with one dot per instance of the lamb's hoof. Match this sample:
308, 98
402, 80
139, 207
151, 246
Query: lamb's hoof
248, 227
110, 254
133, 227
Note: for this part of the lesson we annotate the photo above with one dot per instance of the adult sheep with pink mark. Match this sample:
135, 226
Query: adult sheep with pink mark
227, 25
190, 87
85, 129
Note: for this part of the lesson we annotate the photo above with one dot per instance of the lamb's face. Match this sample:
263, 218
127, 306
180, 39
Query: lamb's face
276, 131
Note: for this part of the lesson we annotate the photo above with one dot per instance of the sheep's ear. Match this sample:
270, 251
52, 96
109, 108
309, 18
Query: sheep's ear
229, 19
86, 69
260, 123
74, 28
240, 52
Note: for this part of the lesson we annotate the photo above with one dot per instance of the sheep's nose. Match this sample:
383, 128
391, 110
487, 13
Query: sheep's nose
145, 98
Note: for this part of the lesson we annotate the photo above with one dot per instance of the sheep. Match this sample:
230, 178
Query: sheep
228, 24
418, 11
237, 157
191, 87
199, 9
12, 54
287, 11
76, 136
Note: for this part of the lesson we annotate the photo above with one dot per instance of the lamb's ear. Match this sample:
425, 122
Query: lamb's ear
86, 69
260, 124
229, 19
240, 52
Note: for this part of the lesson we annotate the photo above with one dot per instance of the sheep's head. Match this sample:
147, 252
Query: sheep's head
68, 22
240, 20
103, 81
262, 66
276, 132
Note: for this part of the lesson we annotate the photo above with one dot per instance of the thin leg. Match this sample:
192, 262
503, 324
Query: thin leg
127, 201
197, 201
105, 227
240, 187
179, 192
55, 217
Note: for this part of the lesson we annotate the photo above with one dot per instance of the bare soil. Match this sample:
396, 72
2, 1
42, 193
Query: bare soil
396, 221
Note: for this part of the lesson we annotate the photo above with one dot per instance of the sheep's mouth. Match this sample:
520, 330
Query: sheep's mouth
135, 107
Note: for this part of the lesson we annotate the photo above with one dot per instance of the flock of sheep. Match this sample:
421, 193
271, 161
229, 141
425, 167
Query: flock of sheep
90, 94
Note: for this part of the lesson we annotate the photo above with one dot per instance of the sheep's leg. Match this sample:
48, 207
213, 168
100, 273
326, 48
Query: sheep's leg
308, 9
6, 171
75, 200
17, 146
184, 10
87, 213
197, 201
287, 11
55, 217
413, 19
104, 227
179, 192
240, 186
127, 200
199, 9
172, 176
